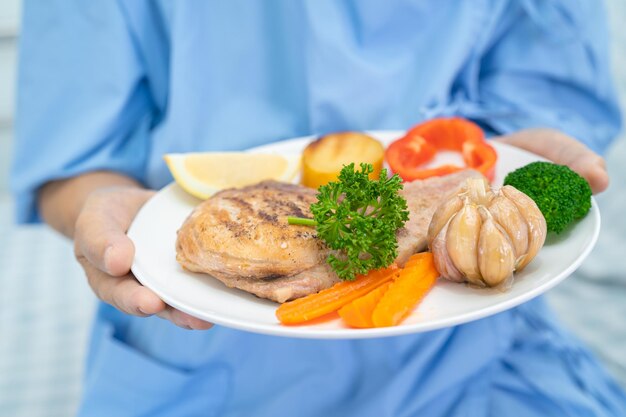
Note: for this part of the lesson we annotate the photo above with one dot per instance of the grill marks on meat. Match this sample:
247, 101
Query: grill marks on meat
241, 236
243, 233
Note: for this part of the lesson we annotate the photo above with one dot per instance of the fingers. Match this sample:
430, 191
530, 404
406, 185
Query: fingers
593, 169
123, 292
564, 150
126, 294
184, 320
106, 254
100, 232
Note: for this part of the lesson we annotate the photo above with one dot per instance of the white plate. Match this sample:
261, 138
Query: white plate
154, 234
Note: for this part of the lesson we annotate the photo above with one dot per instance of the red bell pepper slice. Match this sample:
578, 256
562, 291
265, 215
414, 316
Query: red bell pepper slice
410, 152
407, 155
480, 156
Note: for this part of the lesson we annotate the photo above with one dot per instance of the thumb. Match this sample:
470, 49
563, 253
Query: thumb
564, 150
100, 232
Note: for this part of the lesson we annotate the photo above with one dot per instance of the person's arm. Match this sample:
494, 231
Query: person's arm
60, 202
96, 209
84, 115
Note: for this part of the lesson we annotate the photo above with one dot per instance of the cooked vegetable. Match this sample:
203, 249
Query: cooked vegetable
323, 158
359, 312
406, 291
407, 155
383, 297
358, 219
331, 299
561, 194
482, 237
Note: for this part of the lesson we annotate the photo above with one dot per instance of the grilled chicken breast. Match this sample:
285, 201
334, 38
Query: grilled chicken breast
241, 236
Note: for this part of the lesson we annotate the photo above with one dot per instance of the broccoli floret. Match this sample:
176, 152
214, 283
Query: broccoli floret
562, 195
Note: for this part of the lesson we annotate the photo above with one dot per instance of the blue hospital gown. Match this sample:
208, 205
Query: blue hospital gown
113, 85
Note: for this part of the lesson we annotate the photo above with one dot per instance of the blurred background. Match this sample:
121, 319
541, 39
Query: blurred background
46, 305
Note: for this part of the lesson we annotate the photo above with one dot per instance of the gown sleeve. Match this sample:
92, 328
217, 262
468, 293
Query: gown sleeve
83, 102
547, 65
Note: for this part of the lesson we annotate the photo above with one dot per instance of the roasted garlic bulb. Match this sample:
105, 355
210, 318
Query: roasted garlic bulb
482, 236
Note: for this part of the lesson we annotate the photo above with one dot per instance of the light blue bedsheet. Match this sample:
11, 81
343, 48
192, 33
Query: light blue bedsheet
45, 311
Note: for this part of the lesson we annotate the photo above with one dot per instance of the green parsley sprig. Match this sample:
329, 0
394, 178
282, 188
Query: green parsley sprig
358, 218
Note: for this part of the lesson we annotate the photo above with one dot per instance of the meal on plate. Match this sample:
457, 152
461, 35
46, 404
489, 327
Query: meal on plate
367, 244
242, 236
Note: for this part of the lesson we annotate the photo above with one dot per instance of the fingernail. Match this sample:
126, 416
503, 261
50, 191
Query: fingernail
143, 310
106, 259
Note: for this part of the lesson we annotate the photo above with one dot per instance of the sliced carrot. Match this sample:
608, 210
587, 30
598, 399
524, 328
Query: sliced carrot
333, 298
406, 291
359, 312
417, 259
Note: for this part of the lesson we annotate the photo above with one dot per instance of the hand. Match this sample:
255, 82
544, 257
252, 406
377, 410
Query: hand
106, 254
563, 150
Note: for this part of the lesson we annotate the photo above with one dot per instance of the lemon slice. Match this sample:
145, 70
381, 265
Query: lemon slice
204, 174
